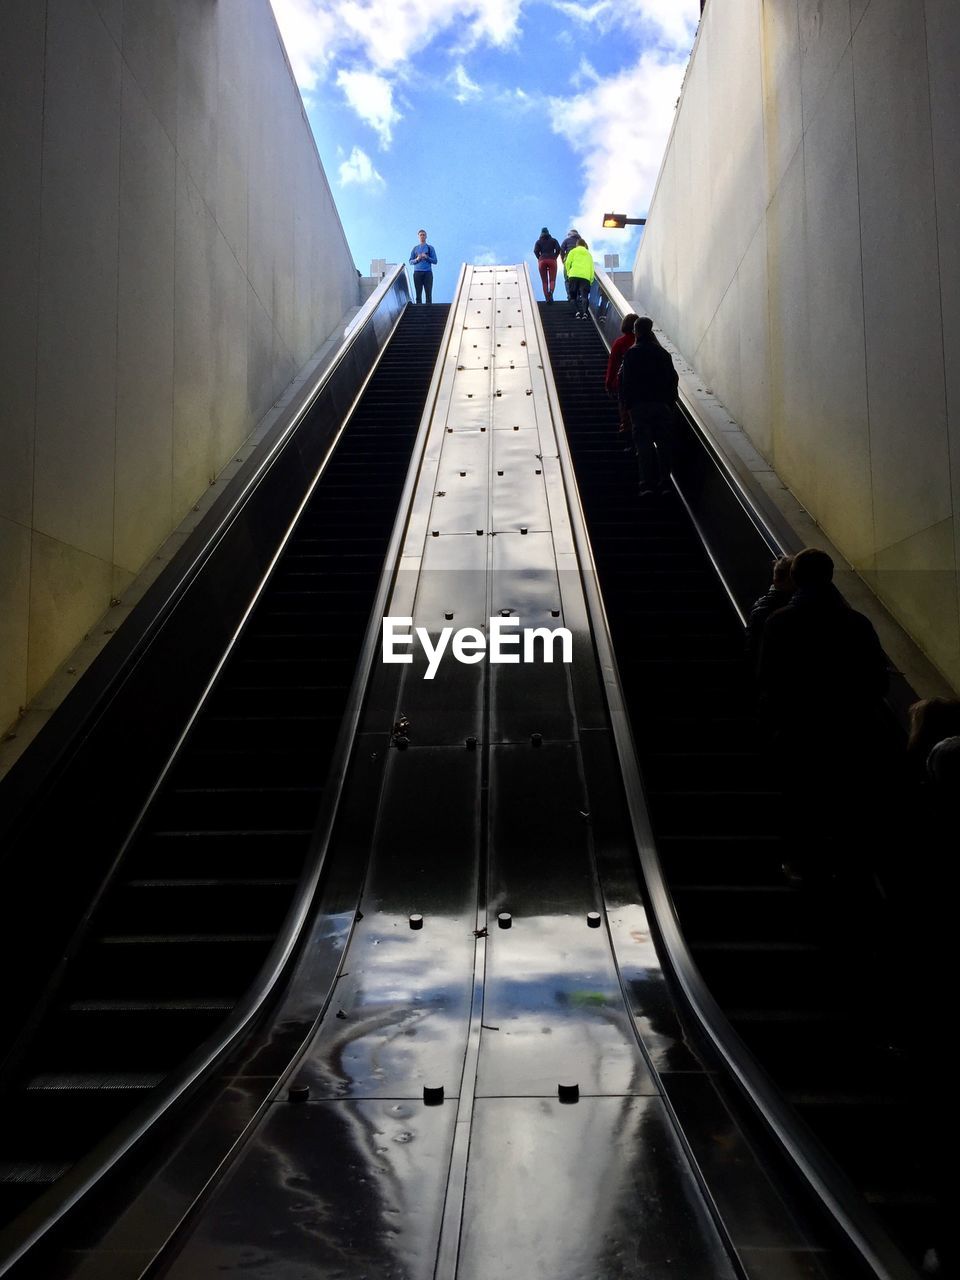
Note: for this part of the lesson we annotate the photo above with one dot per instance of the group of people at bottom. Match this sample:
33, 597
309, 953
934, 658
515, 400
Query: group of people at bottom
821, 678
577, 264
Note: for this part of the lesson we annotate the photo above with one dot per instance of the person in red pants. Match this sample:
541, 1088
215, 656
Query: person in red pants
546, 252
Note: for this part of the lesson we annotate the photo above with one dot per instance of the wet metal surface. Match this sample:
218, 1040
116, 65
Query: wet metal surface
551, 984
403, 999
598, 1189
352, 1190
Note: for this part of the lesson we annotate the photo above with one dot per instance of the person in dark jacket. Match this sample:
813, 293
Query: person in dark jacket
775, 597
822, 672
569, 241
822, 676
611, 383
648, 392
546, 251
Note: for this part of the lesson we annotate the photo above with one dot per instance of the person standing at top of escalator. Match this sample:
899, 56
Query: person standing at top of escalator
648, 392
578, 265
546, 251
424, 259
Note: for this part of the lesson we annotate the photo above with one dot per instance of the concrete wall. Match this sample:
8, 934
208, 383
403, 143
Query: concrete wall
803, 251
170, 255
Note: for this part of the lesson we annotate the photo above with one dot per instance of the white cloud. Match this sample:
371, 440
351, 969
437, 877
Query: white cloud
672, 23
309, 32
484, 257
358, 170
385, 33
371, 97
619, 129
464, 86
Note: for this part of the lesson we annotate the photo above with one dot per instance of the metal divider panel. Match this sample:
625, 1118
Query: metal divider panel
460, 498
528, 698
452, 581
599, 1189
402, 1006
519, 496
330, 1189
551, 989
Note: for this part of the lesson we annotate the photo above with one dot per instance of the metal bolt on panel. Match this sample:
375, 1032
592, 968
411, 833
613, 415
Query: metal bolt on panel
416, 921
505, 920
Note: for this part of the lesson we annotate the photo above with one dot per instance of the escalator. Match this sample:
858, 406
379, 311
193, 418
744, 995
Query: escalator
473, 1058
202, 886
799, 971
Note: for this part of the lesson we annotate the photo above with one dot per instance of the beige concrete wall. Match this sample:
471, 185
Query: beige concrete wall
802, 251
170, 255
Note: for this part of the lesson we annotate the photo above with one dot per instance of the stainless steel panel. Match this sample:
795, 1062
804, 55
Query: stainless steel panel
553, 1008
453, 579
512, 348
518, 496
460, 503
399, 1017
449, 708
599, 1189
329, 1191
512, 383
525, 575
474, 348
469, 414
528, 698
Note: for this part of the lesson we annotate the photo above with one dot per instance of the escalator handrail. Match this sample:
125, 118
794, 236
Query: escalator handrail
830, 1185
26, 1231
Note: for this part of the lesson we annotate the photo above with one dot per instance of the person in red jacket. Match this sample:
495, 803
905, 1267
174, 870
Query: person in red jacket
615, 363
546, 251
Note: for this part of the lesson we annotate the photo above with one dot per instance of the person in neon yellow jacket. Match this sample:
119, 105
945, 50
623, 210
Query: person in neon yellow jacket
578, 266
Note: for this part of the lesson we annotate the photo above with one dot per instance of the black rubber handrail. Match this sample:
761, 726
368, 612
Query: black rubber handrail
51, 1208
828, 1183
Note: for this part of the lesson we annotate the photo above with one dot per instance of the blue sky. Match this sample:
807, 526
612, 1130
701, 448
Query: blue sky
483, 122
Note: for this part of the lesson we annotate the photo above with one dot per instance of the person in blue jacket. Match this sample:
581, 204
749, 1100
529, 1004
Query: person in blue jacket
424, 258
